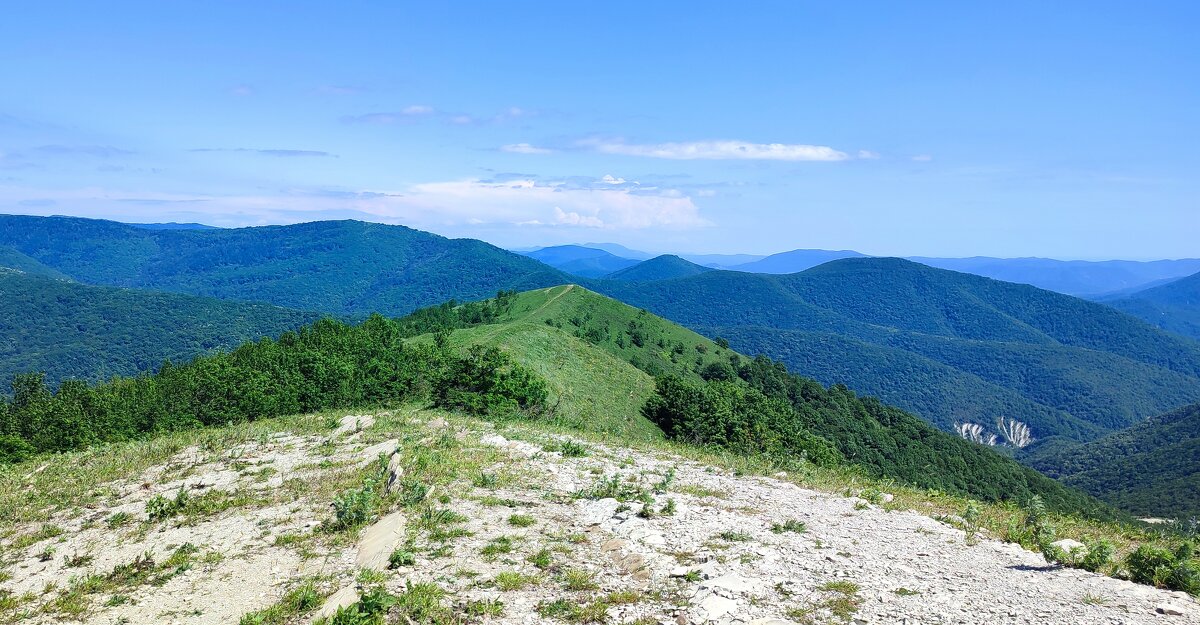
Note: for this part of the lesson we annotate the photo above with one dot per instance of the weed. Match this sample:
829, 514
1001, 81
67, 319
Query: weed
578, 579
484, 607
498, 546
401, 557
972, 516
512, 580
296, 602
790, 525
542, 559
734, 537
521, 520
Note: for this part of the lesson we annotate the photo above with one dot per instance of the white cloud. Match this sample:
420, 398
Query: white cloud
606, 204
417, 109
720, 150
524, 148
922, 158
241, 90
575, 219
868, 155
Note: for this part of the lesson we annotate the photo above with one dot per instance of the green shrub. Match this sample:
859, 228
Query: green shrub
355, 507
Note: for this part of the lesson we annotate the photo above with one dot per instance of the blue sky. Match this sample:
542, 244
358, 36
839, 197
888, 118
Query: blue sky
1065, 129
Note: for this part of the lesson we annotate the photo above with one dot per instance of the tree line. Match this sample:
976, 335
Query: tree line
326, 365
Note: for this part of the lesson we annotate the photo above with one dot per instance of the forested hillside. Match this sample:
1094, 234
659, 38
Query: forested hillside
337, 267
71, 330
1152, 468
1174, 306
662, 267
1096, 369
13, 261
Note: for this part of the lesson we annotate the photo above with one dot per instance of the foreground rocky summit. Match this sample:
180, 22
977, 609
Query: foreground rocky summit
514, 525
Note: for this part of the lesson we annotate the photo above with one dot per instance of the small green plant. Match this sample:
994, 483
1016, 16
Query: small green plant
484, 607
118, 519
668, 479
160, 508
298, 601
972, 517
521, 520
578, 579
75, 561
401, 557
791, 525
668, 508
734, 536
512, 580
571, 449
906, 592
498, 546
542, 559
486, 480
355, 507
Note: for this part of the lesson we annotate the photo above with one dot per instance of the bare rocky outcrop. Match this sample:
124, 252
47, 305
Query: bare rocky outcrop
695, 545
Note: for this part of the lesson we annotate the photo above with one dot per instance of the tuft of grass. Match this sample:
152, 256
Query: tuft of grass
484, 607
791, 525
299, 601
579, 579
521, 520
735, 536
513, 580
498, 546
542, 559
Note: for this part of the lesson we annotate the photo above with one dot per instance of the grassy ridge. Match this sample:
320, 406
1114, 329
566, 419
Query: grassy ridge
587, 347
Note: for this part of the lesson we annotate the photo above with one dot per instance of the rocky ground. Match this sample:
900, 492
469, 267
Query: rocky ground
518, 528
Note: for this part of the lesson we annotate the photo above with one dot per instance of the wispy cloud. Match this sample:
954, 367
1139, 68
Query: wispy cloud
922, 158
525, 148
97, 151
275, 153
718, 150
241, 91
868, 155
419, 112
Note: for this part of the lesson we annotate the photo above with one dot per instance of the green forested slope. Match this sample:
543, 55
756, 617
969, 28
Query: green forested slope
71, 330
1174, 306
334, 266
1080, 368
13, 261
1152, 468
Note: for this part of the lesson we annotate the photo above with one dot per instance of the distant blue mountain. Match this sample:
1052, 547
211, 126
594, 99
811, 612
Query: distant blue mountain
578, 260
1091, 279
1174, 306
620, 250
722, 261
795, 260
